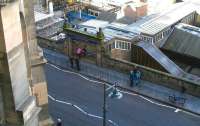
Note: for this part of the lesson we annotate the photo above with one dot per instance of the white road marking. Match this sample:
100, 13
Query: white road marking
80, 109
125, 92
177, 110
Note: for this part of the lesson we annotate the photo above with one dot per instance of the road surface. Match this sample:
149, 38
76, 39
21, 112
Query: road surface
87, 98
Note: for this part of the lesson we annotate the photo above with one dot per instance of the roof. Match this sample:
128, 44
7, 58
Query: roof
113, 30
107, 16
185, 39
95, 23
165, 62
168, 18
136, 25
125, 20
41, 16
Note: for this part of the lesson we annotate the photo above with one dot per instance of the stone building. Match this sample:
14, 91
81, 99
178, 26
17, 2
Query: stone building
23, 88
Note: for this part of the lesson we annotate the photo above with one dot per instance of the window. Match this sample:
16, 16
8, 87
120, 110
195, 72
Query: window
123, 45
126, 46
117, 44
113, 45
129, 46
96, 14
91, 13
144, 38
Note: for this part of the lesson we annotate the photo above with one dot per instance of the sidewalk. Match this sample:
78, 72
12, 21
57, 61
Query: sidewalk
162, 94
145, 88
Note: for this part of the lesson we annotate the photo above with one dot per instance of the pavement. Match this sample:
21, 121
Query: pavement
78, 101
161, 93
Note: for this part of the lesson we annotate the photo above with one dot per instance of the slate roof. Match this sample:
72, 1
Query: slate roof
168, 18
185, 39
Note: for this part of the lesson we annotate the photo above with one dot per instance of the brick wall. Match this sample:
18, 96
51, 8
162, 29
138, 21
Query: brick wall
141, 11
135, 12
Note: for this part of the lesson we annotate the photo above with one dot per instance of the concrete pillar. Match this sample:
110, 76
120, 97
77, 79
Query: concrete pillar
100, 47
99, 56
38, 80
19, 106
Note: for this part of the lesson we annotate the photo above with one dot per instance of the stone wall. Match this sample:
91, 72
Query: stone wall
121, 54
154, 76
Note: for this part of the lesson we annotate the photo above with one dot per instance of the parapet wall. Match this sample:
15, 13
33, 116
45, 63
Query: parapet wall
154, 76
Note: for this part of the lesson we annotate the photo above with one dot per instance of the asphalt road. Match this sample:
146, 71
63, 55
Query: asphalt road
128, 111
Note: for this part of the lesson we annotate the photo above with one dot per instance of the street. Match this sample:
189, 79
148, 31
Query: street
87, 99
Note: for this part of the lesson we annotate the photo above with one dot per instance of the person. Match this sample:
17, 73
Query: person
131, 78
77, 64
138, 77
78, 52
78, 56
183, 89
59, 122
84, 51
71, 62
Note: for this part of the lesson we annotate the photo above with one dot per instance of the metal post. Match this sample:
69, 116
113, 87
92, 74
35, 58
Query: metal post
104, 105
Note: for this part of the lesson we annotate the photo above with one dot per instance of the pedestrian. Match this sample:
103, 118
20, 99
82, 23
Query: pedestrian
78, 52
183, 89
135, 81
71, 62
59, 122
84, 50
131, 78
77, 64
138, 76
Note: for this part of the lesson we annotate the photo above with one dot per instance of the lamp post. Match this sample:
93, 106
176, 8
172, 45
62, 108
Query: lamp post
104, 105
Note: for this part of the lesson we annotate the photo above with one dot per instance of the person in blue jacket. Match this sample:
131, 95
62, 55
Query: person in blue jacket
131, 78
137, 76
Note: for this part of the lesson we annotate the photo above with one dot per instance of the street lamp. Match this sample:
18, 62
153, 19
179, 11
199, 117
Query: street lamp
113, 94
104, 105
